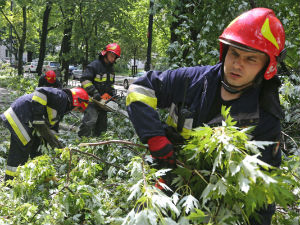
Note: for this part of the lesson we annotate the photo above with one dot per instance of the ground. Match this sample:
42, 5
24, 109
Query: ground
5, 100
4, 96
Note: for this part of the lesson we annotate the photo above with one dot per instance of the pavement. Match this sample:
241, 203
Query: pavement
4, 96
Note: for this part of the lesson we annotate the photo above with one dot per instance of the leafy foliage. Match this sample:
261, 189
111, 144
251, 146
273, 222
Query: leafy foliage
221, 181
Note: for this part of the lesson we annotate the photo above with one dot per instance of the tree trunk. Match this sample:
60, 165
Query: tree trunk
299, 45
29, 56
22, 42
149, 35
65, 49
43, 38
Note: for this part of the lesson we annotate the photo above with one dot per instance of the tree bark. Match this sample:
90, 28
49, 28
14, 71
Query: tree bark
149, 35
66, 48
44, 38
22, 42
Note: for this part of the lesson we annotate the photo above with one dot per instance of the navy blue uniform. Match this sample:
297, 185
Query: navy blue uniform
166, 90
45, 104
203, 101
98, 78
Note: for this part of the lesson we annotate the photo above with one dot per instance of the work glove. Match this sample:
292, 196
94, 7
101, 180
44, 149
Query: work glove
161, 149
97, 96
48, 135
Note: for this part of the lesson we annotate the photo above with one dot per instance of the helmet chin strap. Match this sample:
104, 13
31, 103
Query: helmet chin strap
229, 88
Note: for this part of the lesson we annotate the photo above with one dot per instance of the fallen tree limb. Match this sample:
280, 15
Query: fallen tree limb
112, 142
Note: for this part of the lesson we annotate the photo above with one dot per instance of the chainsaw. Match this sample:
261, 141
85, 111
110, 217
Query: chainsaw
109, 106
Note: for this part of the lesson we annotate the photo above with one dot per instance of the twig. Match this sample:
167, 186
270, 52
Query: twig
131, 149
290, 138
195, 171
112, 142
199, 174
69, 168
144, 177
66, 187
96, 157
297, 177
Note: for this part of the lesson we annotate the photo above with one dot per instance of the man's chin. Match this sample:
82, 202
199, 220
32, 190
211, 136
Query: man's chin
236, 85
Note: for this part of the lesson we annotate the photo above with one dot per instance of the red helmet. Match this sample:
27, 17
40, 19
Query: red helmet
114, 47
257, 29
80, 97
50, 76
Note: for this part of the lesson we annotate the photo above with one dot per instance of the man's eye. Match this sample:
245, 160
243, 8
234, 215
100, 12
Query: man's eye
234, 53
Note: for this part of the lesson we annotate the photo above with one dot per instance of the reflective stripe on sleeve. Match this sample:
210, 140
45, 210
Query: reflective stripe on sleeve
11, 171
52, 113
17, 126
100, 80
138, 93
40, 98
86, 83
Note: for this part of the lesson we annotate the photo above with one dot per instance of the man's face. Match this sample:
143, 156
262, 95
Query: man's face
241, 67
111, 57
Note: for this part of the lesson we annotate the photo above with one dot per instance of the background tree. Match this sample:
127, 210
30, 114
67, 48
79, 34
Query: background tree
17, 27
43, 37
67, 10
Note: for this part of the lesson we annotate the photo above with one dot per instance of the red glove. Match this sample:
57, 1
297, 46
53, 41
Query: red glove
162, 149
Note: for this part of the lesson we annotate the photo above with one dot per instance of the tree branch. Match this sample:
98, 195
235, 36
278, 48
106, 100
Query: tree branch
290, 138
13, 27
112, 142
69, 167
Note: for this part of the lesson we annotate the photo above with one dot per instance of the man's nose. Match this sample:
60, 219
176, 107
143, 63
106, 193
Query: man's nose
238, 62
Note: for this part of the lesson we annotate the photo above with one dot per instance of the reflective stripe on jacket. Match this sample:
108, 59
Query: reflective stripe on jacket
11, 171
50, 103
17, 126
99, 75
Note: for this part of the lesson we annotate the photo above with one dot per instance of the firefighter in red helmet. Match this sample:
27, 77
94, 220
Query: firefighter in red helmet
98, 80
258, 30
114, 48
46, 106
49, 80
244, 79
